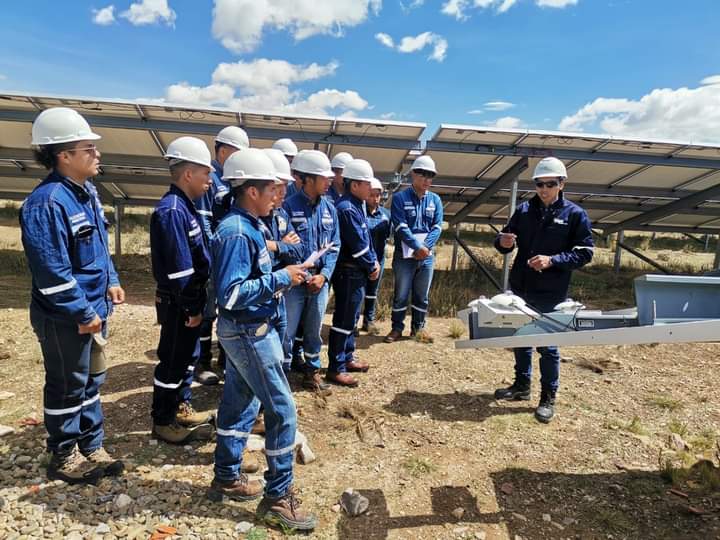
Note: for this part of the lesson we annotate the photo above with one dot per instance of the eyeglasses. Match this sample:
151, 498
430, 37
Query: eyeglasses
425, 174
91, 149
549, 184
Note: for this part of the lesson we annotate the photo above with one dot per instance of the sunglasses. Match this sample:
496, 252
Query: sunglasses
549, 184
425, 174
90, 149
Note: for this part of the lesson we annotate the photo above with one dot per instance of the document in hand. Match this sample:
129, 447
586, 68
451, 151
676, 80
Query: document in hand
407, 250
315, 256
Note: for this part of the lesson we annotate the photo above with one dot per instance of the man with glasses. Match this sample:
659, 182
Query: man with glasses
417, 216
74, 287
553, 237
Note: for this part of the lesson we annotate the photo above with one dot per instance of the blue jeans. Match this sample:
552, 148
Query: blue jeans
302, 305
411, 276
371, 291
178, 351
349, 287
71, 397
254, 376
549, 356
206, 327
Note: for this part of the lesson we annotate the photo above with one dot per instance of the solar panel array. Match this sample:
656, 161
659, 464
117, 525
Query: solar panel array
628, 184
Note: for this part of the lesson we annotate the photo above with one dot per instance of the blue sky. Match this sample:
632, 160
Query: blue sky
626, 67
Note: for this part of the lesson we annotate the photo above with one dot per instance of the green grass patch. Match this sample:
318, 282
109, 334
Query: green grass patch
418, 466
666, 403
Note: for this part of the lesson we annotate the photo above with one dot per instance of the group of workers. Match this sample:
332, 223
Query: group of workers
255, 239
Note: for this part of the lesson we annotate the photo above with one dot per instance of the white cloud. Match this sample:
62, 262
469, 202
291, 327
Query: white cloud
150, 12
406, 8
104, 16
498, 105
508, 122
385, 39
411, 44
264, 84
458, 8
388, 116
3, 77
476, 111
239, 24
684, 113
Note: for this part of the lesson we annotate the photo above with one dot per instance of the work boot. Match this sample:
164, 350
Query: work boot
313, 381
284, 512
393, 336
422, 336
240, 489
341, 379
519, 390
357, 366
546, 409
72, 467
204, 374
187, 416
103, 460
250, 463
176, 434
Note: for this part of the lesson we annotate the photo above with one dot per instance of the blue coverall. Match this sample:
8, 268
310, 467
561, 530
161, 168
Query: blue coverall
64, 234
380, 227
563, 231
355, 263
181, 267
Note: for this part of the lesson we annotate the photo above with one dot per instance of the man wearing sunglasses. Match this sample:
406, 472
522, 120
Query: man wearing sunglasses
553, 237
417, 216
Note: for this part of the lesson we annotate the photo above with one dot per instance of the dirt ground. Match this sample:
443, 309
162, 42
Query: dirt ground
421, 437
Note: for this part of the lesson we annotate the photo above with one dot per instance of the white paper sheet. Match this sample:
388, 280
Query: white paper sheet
407, 250
315, 256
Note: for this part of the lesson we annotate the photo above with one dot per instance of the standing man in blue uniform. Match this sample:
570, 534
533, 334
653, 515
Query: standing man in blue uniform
74, 287
417, 216
315, 222
553, 237
283, 243
181, 267
337, 188
229, 140
356, 265
247, 290
379, 227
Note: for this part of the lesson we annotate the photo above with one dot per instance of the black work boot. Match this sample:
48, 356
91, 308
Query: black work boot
519, 390
546, 409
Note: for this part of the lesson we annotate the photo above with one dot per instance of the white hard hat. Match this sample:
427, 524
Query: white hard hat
359, 169
61, 125
550, 167
249, 164
233, 136
282, 167
190, 149
313, 162
286, 146
424, 163
340, 160
376, 184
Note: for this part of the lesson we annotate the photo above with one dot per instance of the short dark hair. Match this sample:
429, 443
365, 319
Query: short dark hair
240, 191
177, 169
46, 155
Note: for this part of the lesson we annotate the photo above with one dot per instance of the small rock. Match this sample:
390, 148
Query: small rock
676, 442
153, 442
6, 395
507, 488
243, 527
547, 518
103, 528
568, 521
480, 535
22, 460
459, 531
458, 513
122, 501
557, 526
335, 508
519, 516
6, 430
353, 503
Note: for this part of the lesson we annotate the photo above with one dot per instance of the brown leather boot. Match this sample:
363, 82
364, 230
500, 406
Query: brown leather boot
357, 366
393, 336
109, 465
313, 381
285, 512
240, 489
259, 426
342, 379
73, 468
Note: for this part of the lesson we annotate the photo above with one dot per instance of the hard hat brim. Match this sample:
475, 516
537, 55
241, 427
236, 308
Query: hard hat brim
234, 144
62, 140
